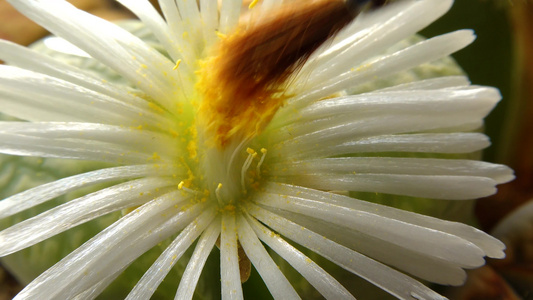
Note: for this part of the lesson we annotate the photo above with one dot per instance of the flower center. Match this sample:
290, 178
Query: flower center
241, 86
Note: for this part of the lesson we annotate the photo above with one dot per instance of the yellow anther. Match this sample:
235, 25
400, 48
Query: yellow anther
221, 35
263, 150
217, 193
180, 185
250, 151
178, 62
252, 4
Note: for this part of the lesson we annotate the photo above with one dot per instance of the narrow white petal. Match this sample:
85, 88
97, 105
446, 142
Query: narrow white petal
335, 131
425, 51
374, 33
491, 246
130, 250
328, 286
170, 11
93, 292
78, 211
434, 186
417, 143
229, 15
24, 145
394, 165
421, 265
276, 282
178, 32
229, 260
134, 139
123, 237
267, 5
110, 44
390, 280
209, 15
153, 20
38, 97
49, 191
441, 245
431, 84
192, 21
478, 100
190, 277
149, 282
391, 112
28, 59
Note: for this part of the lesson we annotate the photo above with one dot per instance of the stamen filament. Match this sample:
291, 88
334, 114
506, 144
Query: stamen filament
182, 187
217, 194
246, 166
258, 168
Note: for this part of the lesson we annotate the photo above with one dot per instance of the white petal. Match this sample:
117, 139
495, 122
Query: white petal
229, 259
135, 139
345, 129
78, 211
491, 246
177, 31
394, 165
421, 265
153, 20
192, 23
149, 282
431, 84
441, 245
372, 34
477, 100
434, 186
31, 60
422, 52
93, 292
130, 250
387, 113
267, 5
417, 143
49, 191
108, 43
209, 15
23, 145
132, 234
390, 280
229, 15
38, 97
328, 286
190, 277
276, 282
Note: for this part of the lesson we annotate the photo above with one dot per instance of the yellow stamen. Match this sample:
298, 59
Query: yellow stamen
253, 4
178, 62
217, 193
264, 152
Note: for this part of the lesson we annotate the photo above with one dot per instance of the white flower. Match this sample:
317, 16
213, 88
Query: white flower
263, 180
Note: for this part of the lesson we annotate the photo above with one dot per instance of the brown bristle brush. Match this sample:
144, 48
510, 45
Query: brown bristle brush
243, 81
266, 53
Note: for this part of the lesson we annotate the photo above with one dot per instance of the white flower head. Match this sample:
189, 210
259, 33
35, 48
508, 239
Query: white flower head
195, 160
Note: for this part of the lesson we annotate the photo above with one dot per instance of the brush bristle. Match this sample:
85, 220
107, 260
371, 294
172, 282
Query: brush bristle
242, 81
265, 54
